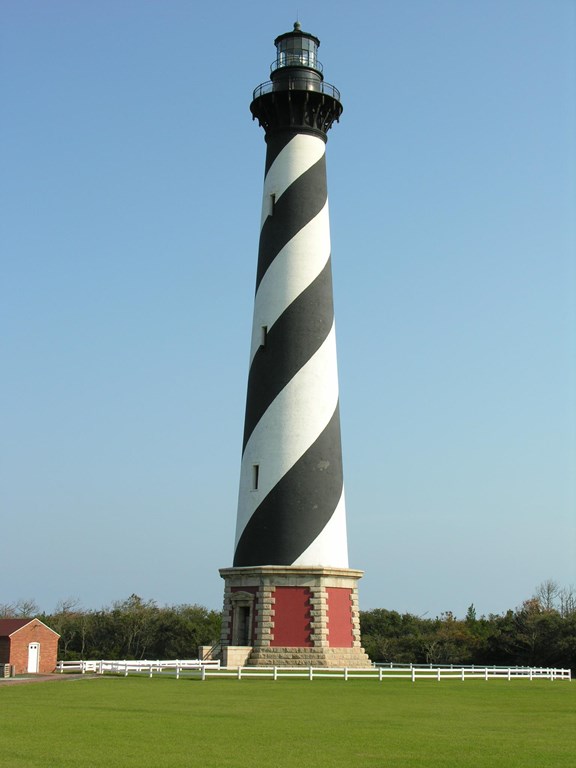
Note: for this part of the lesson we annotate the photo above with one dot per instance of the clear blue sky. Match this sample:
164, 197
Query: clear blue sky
131, 176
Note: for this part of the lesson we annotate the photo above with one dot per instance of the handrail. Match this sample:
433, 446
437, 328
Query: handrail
302, 59
213, 651
297, 84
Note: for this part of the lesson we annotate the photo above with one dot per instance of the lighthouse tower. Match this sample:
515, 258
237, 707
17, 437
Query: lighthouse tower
290, 597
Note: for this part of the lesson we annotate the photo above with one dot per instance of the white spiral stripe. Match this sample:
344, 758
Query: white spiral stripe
312, 394
291, 272
331, 544
296, 157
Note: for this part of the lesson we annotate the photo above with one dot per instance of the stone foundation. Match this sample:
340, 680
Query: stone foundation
235, 655
309, 657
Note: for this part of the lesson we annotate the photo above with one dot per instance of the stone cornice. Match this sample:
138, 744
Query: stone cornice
291, 570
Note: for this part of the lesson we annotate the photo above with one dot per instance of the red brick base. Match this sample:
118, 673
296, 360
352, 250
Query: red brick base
297, 615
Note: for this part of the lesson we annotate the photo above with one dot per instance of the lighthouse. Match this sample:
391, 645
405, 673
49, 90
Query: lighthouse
290, 596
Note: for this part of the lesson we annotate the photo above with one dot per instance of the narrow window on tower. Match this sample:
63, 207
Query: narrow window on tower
255, 476
272, 204
263, 335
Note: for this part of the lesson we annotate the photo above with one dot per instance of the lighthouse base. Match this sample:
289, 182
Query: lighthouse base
292, 616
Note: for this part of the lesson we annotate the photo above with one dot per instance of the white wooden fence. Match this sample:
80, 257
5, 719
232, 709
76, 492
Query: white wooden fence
208, 668
381, 674
128, 666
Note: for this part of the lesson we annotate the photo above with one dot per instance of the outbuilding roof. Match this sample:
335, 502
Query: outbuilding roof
10, 626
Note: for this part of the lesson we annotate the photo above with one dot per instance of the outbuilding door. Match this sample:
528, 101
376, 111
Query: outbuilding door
33, 657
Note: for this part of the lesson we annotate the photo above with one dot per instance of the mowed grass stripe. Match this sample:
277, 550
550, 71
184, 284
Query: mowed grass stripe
140, 722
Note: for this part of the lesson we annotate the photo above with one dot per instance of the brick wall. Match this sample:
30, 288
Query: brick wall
292, 617
340, 621
35, 632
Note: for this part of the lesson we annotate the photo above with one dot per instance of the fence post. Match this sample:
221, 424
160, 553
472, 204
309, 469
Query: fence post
239, 673
438, 674
380, 674
310, 673
203, 672
509, 673
463, 674
275, 675
486, 673
345, 673
413, 674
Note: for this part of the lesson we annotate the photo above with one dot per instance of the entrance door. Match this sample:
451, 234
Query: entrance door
33, 657
244, 625
242, 617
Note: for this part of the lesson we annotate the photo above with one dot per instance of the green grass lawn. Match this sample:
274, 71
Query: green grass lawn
140, 722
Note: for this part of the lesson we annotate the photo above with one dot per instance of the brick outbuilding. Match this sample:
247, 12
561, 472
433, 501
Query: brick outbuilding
29, 645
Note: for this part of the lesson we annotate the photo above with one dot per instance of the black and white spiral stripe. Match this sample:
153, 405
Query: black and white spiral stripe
293, 514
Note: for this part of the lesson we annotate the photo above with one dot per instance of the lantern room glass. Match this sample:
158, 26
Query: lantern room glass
297, 51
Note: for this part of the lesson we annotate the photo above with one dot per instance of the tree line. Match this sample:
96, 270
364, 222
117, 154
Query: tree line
540, 632
129, 629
